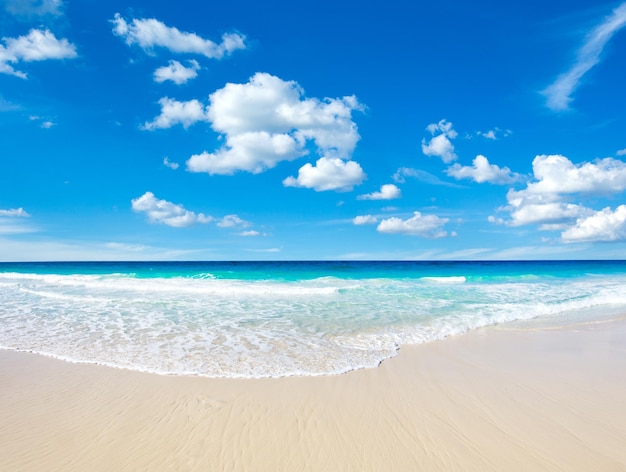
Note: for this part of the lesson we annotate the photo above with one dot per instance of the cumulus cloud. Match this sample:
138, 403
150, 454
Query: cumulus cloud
621, 152
387, 192
167, 213
481, 171
252, 152
556, 174
30, 8
546, 200
440, 144
328, 174
604, 225
15, 212
174, 112
232, 221
171, 165
429, 226
550, 215
176, 72
151, 33
37, 45
267, 120
365, 220
559, 94
249, 233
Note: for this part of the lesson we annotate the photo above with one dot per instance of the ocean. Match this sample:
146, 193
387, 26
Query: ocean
276, 319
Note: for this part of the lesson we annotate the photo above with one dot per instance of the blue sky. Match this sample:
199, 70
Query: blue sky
242, 131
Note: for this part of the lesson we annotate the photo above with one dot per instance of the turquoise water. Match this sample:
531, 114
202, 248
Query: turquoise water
273, 319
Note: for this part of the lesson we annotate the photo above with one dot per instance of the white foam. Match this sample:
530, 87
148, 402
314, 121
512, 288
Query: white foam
237, 328
446, 280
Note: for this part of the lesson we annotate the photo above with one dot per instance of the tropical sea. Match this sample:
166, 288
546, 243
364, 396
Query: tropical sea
275, 319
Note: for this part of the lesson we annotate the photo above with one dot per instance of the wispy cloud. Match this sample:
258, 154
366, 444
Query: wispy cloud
32, 8
559, 94
9, 223
364, 220
170, 164
150, 33
19, 212
6, 105
492, 134
422, 176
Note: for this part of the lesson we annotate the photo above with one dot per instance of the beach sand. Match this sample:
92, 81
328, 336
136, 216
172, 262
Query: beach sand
502, 398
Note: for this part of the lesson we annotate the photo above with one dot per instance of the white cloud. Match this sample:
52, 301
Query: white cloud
43, 122
176, 72
171, 165
492, 134
6, 105
328, 174
174, 112
545, 201
9, 224
167, 213
556, 174
233, 221
422, 176
12, 227
151, 33
559, 94
38, 45
15, 212
266, 121
481, 171
552, 215
387, 192
440, 144
604, 225
253, 152
249, 233
430, 226
621, 152
29, 8
365, 220
51, 250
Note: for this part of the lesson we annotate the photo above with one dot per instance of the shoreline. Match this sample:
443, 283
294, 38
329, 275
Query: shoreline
507, 397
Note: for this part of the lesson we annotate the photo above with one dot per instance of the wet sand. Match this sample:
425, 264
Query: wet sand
517, 397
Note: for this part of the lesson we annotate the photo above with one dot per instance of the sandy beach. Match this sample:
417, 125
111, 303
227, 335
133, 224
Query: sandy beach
516, 397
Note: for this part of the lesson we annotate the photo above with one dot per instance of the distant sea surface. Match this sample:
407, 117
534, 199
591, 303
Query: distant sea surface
274, 319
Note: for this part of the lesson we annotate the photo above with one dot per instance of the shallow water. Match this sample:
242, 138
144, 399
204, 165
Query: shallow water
272, 319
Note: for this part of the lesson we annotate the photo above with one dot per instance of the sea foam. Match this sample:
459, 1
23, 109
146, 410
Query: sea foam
269, 325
